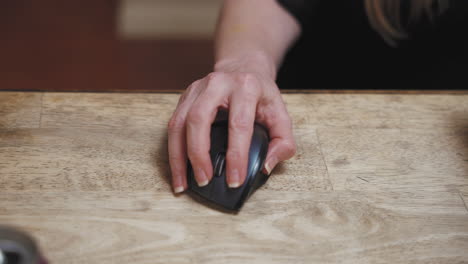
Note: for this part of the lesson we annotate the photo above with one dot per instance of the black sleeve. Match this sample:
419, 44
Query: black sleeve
302, 10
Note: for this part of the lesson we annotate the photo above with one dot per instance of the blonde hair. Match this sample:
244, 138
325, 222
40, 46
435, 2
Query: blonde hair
385, 16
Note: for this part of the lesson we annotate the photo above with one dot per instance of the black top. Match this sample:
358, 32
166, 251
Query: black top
338, 49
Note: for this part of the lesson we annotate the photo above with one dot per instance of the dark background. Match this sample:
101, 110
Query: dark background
164, 45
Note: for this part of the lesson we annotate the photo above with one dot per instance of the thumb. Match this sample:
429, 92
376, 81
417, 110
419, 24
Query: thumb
279, 149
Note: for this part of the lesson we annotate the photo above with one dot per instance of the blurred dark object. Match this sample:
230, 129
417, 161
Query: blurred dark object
17, 247
58, 45
340, 50
55, 45
167, 64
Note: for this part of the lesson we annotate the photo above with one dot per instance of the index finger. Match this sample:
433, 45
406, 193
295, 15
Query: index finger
199, 120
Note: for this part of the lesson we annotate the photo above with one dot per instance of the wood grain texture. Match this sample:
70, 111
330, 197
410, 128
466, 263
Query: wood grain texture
20, 110
377, 179
274, 227
385, 159
71, 159
102, 110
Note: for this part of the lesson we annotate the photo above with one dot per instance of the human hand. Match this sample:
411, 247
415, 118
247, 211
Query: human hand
249, 97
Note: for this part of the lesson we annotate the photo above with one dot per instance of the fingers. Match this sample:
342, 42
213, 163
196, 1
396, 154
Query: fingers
243, 106
279, 150
198, 125
176, 139
282, 145
190, 125
177, 153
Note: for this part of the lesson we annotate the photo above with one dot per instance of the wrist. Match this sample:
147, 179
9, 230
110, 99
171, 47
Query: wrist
253, 62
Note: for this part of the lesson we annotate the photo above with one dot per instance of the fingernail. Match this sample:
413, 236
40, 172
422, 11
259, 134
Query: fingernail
267, 168
234, 179
202, 180
270, 165
179, 189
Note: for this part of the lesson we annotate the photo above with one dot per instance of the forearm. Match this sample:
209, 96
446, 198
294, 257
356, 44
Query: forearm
254, 36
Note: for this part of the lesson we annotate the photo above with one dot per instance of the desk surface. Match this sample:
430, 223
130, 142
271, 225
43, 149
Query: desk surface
377, 179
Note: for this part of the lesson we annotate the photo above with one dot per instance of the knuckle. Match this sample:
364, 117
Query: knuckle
214, 81
195, 153
191, 88
233, 155
248, 86
281, 118
182, 97
189, 92
289, 148
176, 172
195, 115
195, 84
249, 94
176, 161
214, 77
176, 123
247, 78
211, 89
286, 119
240, 123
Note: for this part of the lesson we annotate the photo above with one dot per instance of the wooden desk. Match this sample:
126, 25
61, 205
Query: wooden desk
377, 179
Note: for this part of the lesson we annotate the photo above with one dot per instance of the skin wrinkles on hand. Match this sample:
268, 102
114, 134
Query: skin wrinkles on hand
243, 84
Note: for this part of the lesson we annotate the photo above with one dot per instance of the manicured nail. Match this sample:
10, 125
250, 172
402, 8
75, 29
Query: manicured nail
267, 168
202, 180
179, 189
203, 183
270, 165
234, 179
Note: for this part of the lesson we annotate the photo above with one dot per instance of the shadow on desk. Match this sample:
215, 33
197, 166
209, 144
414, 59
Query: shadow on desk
160, 160
460, 124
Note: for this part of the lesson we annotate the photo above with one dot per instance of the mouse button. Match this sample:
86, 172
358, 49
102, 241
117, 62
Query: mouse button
218, 145
219, 136
204, 191
225, 196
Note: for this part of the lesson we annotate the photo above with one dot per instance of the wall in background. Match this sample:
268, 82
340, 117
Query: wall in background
149, 19
105, 45
168, 42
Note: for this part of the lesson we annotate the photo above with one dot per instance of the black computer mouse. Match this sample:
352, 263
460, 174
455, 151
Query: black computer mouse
217, 191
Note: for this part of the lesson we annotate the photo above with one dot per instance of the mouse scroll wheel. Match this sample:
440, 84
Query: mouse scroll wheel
219, 165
